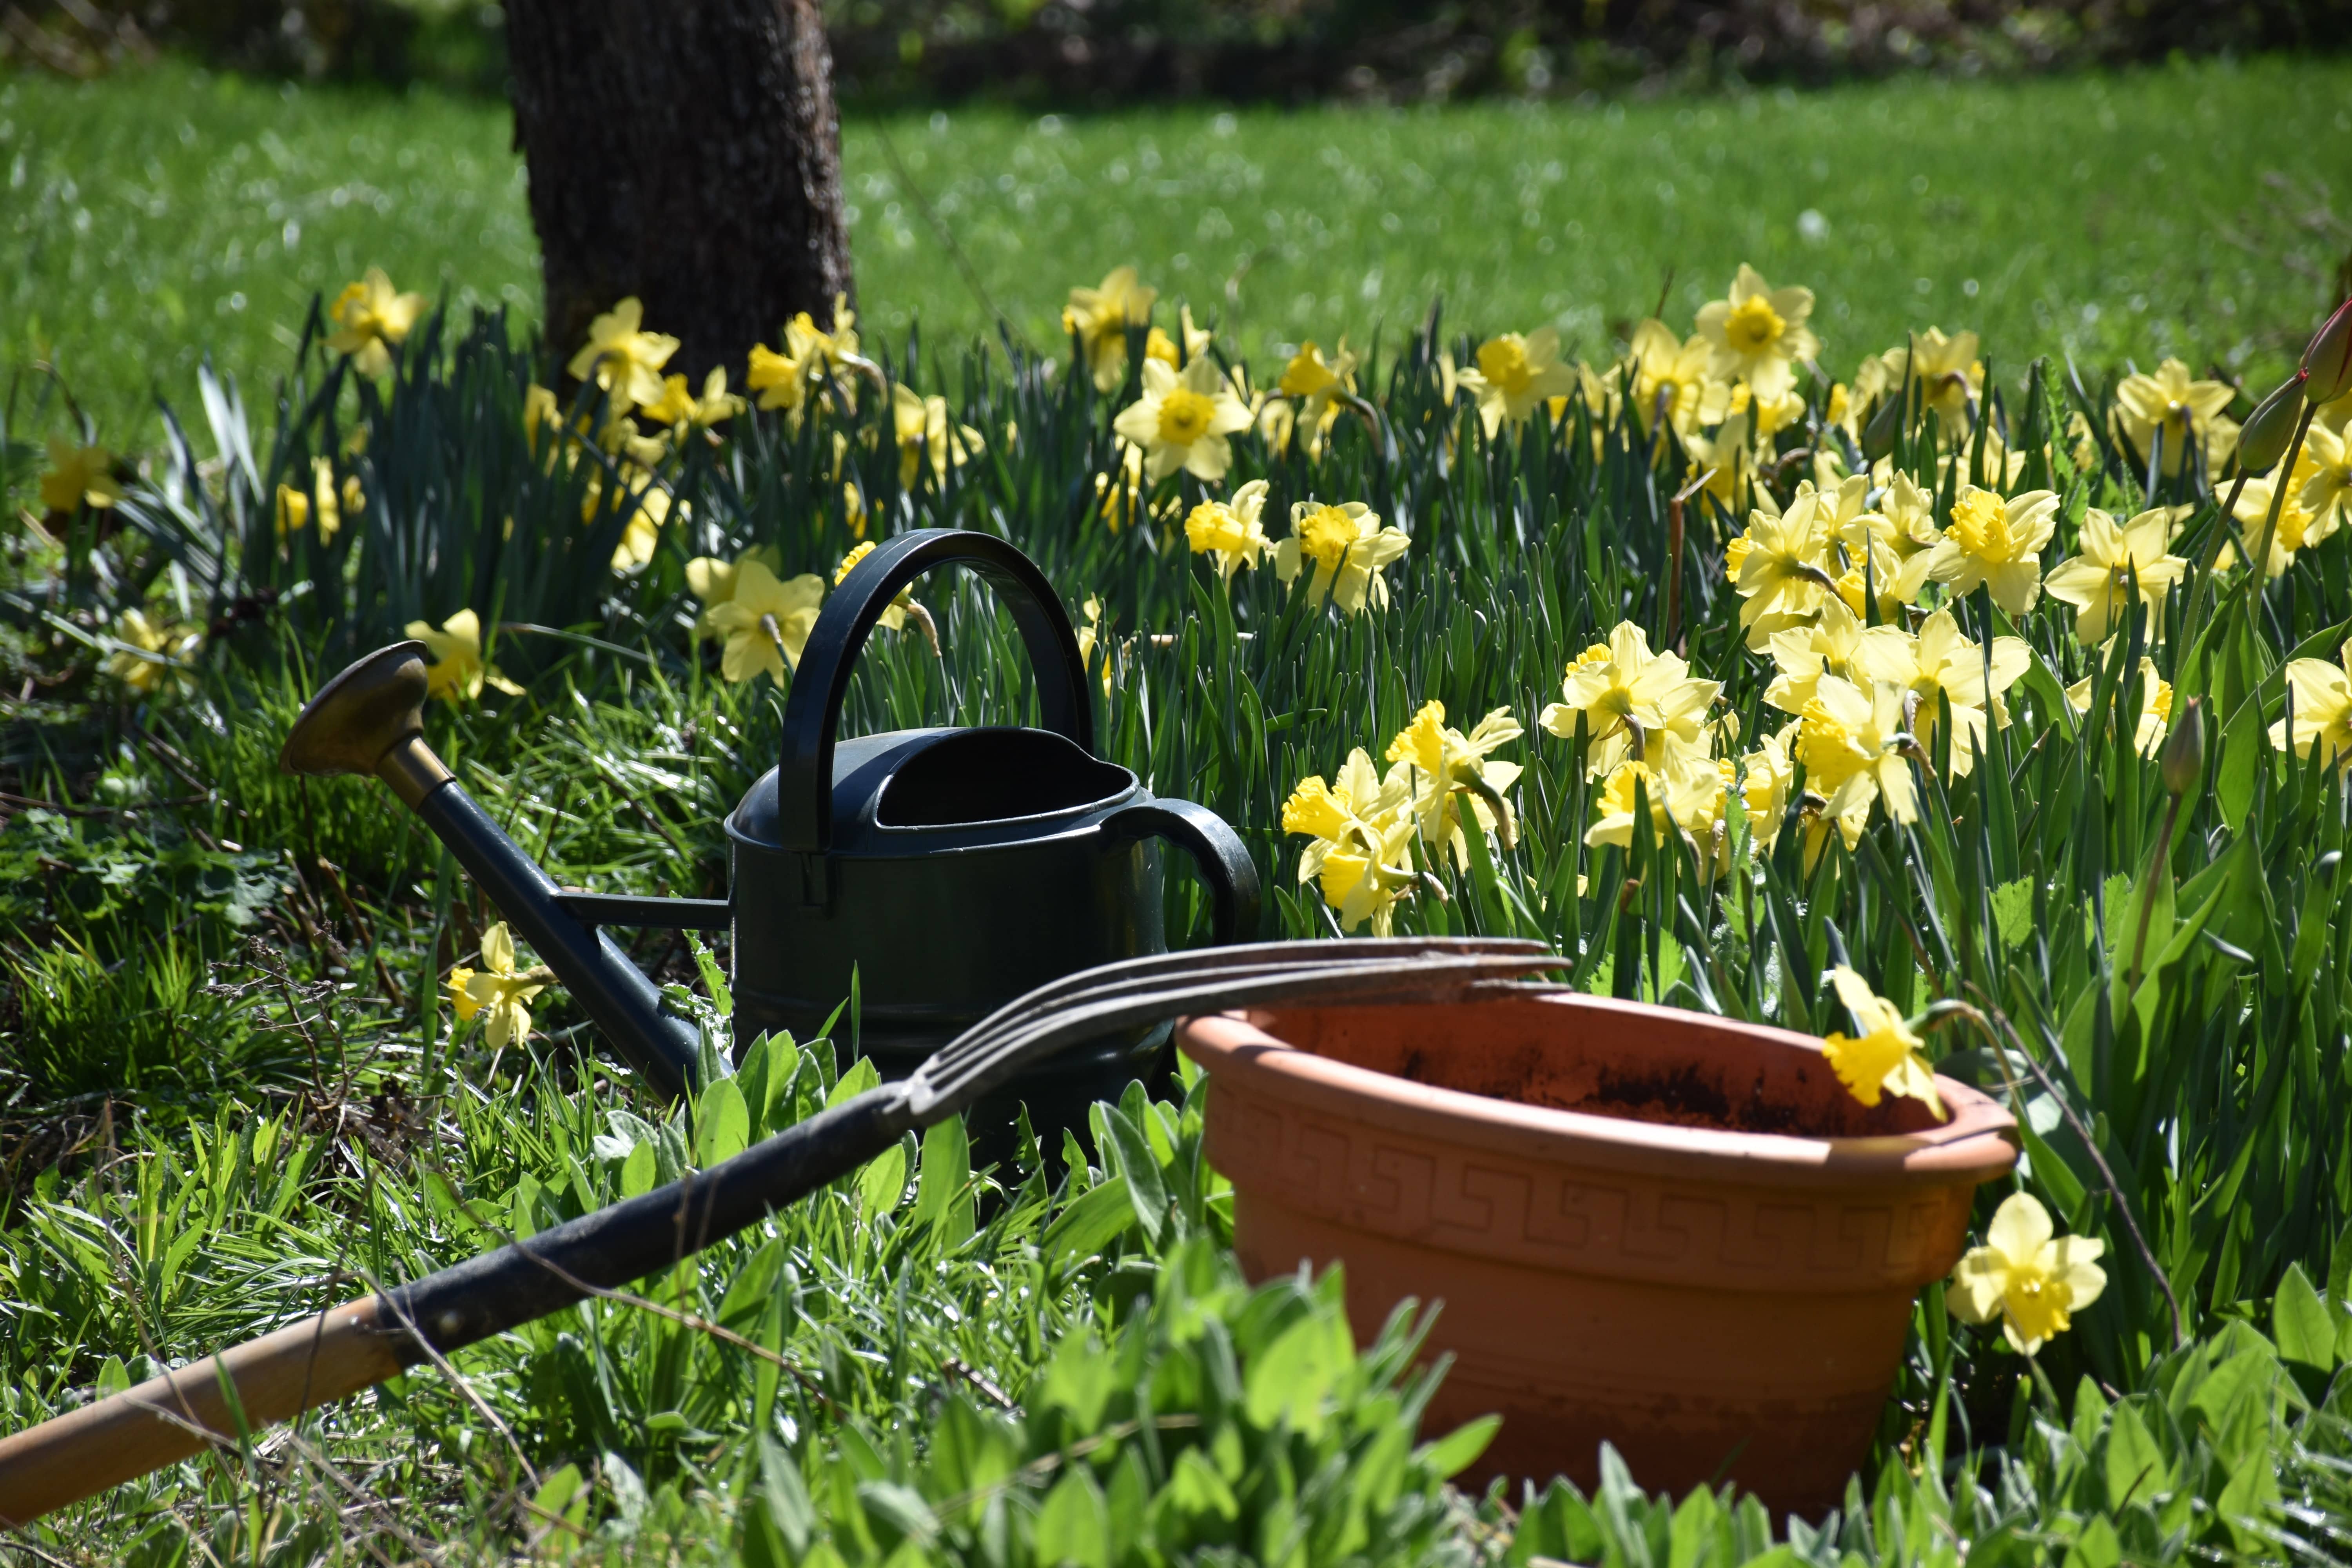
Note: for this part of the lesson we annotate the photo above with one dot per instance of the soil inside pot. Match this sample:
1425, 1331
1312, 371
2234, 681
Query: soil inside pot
1679, 1070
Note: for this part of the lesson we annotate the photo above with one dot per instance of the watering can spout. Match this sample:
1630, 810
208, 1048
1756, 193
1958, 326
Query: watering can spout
370, 719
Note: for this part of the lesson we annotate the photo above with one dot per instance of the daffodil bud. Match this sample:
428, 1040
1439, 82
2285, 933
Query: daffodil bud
2327, 362
2183, 765
1886, 425
2262, 440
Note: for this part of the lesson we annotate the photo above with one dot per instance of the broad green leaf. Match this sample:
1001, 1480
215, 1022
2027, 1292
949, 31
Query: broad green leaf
1459, 1449
2137, 1470
1195, 1490
1135, 1161
722, 1123
2247, 1504
1080, 1381
861, 1076
2094, 1546
883, 1182
2303, 1325
2243, 741
941, 1199
2013, 912
1074, 1524
1288, 1382
1089, 1225
639, 1171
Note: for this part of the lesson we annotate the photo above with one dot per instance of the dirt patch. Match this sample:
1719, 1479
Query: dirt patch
1671, 1097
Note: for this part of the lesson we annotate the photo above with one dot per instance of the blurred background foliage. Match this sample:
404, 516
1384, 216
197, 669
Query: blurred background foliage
1087, 53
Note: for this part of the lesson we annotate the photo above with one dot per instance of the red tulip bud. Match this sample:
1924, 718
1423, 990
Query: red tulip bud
2262, 439
2327, 362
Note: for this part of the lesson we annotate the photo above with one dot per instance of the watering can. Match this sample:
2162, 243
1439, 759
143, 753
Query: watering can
951, 869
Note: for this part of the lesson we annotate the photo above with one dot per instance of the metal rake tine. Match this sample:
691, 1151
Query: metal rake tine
931, 1097
939, 1088
1273, 959
1286, 954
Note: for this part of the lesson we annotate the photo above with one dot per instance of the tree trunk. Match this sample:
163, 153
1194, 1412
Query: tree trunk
686, 152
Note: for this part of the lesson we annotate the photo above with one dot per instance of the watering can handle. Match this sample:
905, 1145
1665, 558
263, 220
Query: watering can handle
813, 711
1225, 862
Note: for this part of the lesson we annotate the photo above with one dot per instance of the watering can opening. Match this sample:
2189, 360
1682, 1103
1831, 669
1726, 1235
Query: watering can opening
997, 775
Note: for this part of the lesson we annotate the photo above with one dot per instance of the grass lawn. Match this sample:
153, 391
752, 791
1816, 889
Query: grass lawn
1995, 749
150, 218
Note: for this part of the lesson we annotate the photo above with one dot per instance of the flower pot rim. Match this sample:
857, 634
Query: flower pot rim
1973, 1145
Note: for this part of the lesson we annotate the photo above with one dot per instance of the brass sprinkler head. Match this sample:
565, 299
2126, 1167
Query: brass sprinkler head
370, 720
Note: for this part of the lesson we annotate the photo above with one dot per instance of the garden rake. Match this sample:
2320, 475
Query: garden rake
323, 1358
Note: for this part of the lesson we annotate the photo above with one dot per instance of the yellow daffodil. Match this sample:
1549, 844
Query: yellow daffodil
2097, 580
1942, 662
1098, 319
923, 430
2299, 526
624, 359
79, 476
1947, 374
540, 412
1831, 646
1777, 565
152, 655
648, 506
370, 319
1674, 378
677, 406
1093, 636
1996, 542
1767, 776
1685, 794
2033, 1279
499, 989
781, 381
1909, 530
2325, 469
1721, 464
323, 505
1633, 702
2155, 720
622, 436
1348, 547
1771, 415
1887, 1057
1516, 375
1233, 532
1447, 764
1158, 345
1311, 393
1362, 825
2169, 407
766, 621
1851, 406
713, 580
1758, 333
457, 671
894, 614
2321, 702
821, 350
1853, 744
1119, 498
1182, 419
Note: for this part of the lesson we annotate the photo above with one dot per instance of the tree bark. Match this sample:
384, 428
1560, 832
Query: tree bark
685, 152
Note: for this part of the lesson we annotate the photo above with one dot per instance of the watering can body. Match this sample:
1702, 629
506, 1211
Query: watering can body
949, 870
953, 869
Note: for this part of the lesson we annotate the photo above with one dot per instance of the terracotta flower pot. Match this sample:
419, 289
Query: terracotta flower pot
1669, 1231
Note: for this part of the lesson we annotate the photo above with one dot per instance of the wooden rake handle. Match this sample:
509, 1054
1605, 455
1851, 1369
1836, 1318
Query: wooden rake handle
176, 1416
